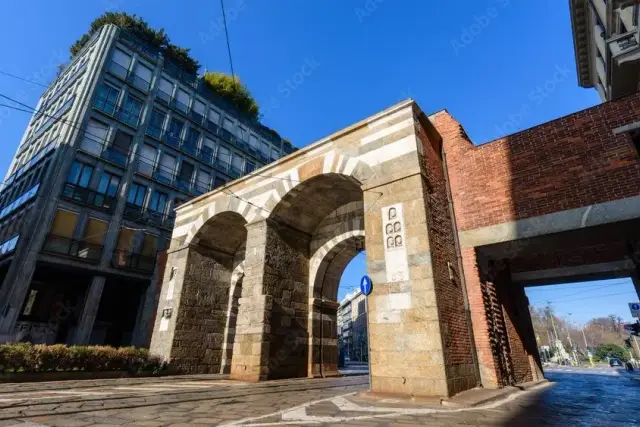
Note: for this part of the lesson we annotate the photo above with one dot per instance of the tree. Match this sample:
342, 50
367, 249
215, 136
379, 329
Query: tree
141, 29
605, 351
233, 91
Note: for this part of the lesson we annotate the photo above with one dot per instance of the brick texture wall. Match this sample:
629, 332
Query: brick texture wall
454, 326
567, 163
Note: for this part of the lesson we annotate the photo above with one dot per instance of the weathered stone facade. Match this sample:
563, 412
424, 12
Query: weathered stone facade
252, 274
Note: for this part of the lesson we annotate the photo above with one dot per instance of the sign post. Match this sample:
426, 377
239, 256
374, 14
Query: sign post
366, 286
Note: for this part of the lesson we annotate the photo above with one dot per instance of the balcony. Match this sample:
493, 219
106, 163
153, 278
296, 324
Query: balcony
133, 212
161, 220
206, 155
163, 96
182, 108
128, 117
154, 131
89, 197
197, 117
114, 155
138, 82
64, 246
133, 261
625, 48
129, 76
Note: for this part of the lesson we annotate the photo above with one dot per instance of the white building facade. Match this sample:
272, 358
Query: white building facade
352, 327
607, 46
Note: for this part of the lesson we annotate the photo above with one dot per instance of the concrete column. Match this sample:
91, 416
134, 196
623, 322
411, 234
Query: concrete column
89, 311
16, 292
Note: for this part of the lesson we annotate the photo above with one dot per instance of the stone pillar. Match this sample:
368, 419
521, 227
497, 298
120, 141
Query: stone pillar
191, 318
407, 355
89, 311
250, 351
323, 345
271, 333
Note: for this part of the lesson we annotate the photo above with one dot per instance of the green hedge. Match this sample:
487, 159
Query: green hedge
60, 358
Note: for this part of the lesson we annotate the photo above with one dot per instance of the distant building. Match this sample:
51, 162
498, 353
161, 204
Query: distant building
118, 140
607, 46
352, 327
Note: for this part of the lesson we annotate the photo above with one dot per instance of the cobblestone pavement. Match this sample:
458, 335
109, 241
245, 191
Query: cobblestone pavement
606, 398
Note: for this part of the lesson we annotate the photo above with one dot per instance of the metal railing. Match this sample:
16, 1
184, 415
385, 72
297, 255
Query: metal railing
65, 246
128, 75
130, 118
133, 261
133, 212
89, 197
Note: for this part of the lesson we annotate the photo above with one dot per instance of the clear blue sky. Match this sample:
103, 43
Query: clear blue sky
497, 65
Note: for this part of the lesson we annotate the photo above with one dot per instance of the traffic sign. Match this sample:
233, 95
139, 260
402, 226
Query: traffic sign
366, 285
635, 309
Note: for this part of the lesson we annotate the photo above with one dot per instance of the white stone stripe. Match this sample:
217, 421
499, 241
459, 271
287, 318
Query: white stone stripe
377, 122
387, 131
390, 151
328, 161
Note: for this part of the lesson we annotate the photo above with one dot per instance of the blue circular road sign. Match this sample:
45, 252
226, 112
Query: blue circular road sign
633, 306
366, 285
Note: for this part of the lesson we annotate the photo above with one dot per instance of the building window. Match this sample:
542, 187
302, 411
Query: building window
219, 182
147, 161
182, 101
275, 154
158, 202
95, 232
137, 194
175, 131
242, 133
156, 123
107, 99
165, 90
108, 184
228, 125
224, 156
142, 78
186, 172
120, 64
131, 111
249, 166
214, 117
64, 224
80, 174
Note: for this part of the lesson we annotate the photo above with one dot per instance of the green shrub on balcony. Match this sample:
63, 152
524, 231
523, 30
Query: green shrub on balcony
141, 29
232, 90
60, 358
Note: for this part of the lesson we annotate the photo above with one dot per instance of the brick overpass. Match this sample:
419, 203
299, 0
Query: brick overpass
453, 232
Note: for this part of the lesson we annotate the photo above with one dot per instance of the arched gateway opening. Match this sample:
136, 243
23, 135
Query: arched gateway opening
318, 227
205, 278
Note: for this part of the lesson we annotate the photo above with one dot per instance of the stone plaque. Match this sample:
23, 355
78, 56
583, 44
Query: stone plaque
394, 241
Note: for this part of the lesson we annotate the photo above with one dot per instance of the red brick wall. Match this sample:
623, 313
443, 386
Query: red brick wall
567, 163
456, 338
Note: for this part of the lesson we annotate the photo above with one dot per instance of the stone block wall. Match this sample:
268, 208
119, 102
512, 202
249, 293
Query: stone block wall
201, 319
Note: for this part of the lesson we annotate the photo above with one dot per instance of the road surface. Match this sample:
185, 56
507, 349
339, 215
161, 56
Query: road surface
577, 396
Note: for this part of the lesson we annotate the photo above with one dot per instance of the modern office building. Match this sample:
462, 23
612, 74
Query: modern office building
607, 46
352, 327
119, 139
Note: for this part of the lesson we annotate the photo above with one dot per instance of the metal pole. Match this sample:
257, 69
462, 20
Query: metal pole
366, 309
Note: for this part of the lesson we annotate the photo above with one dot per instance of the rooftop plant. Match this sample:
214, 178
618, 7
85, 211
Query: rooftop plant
232, 90
141, 29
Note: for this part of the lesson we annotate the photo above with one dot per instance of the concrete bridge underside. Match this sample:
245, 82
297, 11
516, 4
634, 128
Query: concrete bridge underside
252, 276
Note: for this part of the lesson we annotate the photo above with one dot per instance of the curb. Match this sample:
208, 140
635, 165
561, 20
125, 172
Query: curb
498, 395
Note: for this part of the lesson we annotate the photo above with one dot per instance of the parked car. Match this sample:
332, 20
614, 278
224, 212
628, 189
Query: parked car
613, 362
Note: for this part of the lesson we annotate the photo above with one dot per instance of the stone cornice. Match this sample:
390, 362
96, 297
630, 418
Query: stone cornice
582, 33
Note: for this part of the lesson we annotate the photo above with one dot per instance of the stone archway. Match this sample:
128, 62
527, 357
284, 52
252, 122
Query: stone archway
203, 278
